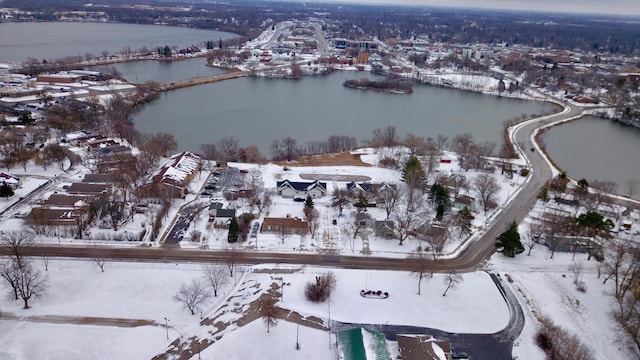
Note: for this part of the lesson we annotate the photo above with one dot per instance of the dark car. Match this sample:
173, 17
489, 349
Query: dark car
206, 193
459, 355
299, 199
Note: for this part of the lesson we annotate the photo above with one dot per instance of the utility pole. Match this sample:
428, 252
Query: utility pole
166, 326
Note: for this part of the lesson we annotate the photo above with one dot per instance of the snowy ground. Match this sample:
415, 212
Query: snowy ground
141, 291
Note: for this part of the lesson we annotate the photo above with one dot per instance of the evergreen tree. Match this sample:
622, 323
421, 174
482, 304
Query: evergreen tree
234, 230
6, 191
220, 43
543, 194
413, 173
308, 206
509, 241
166, 51
439, 196
308, 203
463, 220
362, 202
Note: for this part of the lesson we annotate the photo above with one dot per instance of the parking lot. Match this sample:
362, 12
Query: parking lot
221, 181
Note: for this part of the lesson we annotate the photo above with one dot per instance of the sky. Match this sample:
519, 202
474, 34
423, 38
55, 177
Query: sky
625, 7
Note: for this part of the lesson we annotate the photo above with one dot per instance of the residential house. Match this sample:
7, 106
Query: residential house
376, 192
84, 188
384, 229
69, 201
99, 178
293, 189
423, 347
174, 176
465, 200
43, 216
11, 180
223, 217
214, 206
285, 225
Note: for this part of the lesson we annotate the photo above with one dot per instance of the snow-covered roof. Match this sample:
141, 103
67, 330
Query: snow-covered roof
178, 169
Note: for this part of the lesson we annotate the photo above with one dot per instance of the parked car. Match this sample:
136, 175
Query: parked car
206, 193
459, 355
21, 214
299, 199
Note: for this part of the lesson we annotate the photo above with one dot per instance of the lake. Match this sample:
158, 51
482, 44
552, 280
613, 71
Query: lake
139, 72
258, 110
596, 149
54, 40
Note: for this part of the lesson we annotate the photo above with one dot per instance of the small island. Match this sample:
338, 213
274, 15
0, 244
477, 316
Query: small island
390, 86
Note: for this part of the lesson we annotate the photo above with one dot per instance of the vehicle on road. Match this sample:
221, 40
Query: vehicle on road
21, 214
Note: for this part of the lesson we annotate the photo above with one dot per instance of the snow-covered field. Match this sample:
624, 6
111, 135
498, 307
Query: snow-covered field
56, 325
52, 328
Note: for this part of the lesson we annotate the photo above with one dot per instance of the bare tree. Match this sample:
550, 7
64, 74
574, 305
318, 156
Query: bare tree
419, 263
384, 137
463, 145
31, 283
99, 255
231, 259
602, 191
9, 272
389, 200
486, 188
313, 218
631, 186
576, 268
193, 295
165, 142
228, 148
341, 197
210, 151
556, 224
358, 223
537, 229
17, 243
415, 144
442, 141
452, 280
407, 217
268, 310
320, 290
216, 275
484, 150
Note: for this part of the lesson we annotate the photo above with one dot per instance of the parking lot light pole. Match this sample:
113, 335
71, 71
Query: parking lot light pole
166, 327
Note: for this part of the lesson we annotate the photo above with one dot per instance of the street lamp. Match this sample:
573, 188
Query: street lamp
166, 326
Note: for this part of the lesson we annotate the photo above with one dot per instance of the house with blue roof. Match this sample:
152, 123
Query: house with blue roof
293, 189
